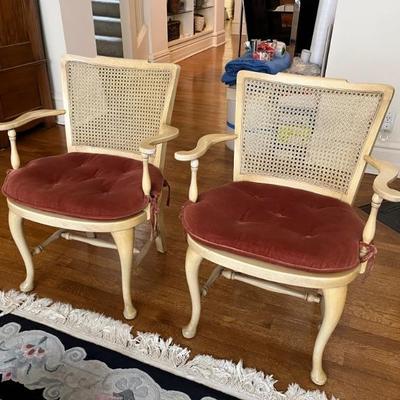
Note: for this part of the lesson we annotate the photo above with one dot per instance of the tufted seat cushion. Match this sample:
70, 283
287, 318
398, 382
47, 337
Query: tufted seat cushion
83, 185
284, 226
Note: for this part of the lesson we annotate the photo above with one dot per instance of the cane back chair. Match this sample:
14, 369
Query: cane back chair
117, 116
286, 220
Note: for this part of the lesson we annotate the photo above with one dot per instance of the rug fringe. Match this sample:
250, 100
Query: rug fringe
246, 383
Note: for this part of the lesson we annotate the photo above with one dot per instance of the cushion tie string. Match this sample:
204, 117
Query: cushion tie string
368, 253
154, 210
166, 184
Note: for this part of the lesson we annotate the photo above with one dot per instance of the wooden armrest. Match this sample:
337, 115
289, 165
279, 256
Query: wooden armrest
387, 174
28, 117
204, 143
167, 133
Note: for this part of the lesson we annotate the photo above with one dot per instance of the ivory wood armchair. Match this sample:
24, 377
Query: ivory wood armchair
117, 116
286, 223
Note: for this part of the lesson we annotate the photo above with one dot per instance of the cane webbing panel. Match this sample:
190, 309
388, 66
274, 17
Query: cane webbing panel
116, 107
307, 134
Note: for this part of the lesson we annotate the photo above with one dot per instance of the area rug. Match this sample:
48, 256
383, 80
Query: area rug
52, 351
389, 214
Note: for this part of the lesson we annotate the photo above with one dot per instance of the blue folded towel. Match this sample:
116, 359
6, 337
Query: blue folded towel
247, 63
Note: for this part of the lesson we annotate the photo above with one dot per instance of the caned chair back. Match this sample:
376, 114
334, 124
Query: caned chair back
307, 133
112, 105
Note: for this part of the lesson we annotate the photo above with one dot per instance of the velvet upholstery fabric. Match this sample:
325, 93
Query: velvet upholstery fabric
83, 185
279, 225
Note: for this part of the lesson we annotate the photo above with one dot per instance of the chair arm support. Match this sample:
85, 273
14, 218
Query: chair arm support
387, 174
204, 143
29, 117
167, 133
148, 148
23, 119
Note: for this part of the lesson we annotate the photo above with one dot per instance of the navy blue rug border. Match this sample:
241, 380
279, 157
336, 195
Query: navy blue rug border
11, 390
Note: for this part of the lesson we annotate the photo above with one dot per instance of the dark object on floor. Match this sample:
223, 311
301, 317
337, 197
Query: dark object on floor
389, 214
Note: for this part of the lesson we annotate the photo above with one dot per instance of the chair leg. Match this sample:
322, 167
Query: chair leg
124, 241
16, 227
192, 264
334, 300
160, 239
321, 307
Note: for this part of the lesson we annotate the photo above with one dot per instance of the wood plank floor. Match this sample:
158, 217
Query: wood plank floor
267, 331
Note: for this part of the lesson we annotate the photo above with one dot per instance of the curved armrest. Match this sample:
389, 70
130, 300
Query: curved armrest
167, 133
23, 119
204, 143
387, 174
29, 117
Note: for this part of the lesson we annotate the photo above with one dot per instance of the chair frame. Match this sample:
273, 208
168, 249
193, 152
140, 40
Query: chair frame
152, 150
328, 289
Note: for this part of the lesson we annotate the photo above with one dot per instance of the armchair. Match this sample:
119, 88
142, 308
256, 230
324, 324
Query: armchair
285, 223
117, 115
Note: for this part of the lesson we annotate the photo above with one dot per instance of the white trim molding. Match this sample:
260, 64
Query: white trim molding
189, 48
161, 56
194, 46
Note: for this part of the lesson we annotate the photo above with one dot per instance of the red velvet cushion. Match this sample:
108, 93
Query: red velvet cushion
83, 185
284, 226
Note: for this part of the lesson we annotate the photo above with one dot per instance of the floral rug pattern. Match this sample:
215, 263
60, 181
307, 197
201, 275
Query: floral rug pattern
38, 360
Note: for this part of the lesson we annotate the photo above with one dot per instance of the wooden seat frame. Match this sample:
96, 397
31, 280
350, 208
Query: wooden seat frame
152, 150
328, 289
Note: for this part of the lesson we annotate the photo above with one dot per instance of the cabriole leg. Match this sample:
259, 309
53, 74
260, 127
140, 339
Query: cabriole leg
192, 265
124, 241
333, 304
16, 227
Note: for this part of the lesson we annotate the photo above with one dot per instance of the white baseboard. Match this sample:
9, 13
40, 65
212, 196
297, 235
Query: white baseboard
191, 47
59, 105
219, 38
160, 56
188, 48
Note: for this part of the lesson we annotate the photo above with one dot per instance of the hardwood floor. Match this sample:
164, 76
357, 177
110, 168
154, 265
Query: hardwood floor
267, 331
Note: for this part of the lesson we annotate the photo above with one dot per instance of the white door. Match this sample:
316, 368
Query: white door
135, 37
